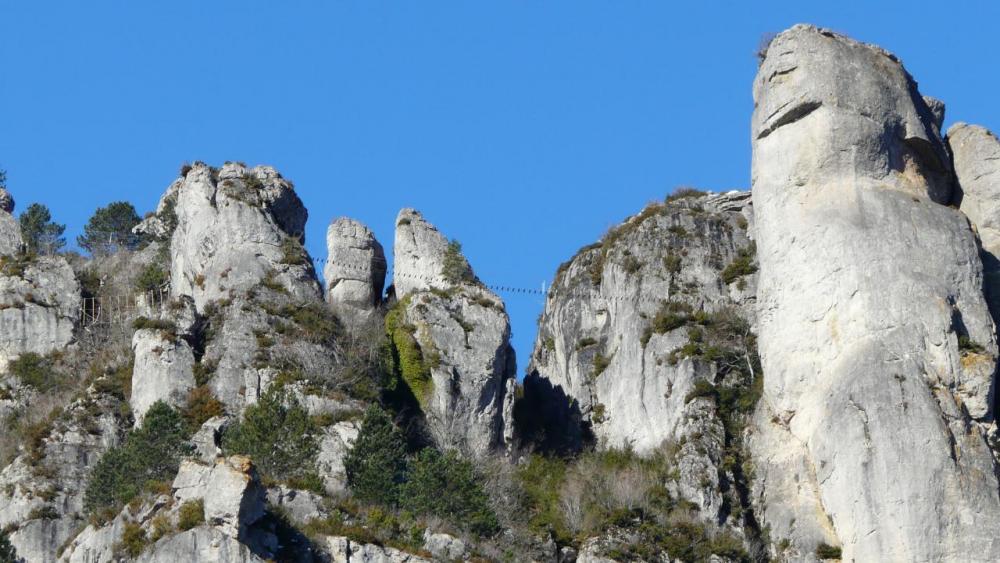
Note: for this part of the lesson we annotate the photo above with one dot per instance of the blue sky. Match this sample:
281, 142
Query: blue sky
523, 129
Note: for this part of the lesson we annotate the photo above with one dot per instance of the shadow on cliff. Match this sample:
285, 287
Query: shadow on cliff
549, 421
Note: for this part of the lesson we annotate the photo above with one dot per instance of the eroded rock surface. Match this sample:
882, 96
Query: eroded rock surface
976, 157
237, 226
452, 336
875, 338
355, 270
39, 305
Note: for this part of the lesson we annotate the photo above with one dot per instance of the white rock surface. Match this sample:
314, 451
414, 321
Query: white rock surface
334, 445
39, 305
976, 157
204, 544
207, 440
230, 488
869, 435
162, 371
233, 230
672, 251
418, 255
344, 550
355, 270
444, 547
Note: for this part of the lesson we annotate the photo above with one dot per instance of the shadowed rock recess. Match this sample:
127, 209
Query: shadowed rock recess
802, 372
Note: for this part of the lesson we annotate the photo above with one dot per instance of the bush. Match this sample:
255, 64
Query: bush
280, 439
35, 371
151, 278
447, 487
168, 328
684, 192
191, 514
375, 465
671, 315
456, 268
40, 234
134, 540
110, 229
7, 552
540, 480
149, 454
201, 405
742, 265
827, 551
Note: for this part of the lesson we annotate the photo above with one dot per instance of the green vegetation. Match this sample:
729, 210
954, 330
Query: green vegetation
684, 192
292, 252
151, 278
35, 371
672, 263
16, 265
409, 362
191, 514
447, 487
432, 484
201, 405
742, 265
278, 434
7, 552
167, 328
601, 363
110, 229
149, 454
966, 344
376, 465
456, 268
134, 541
826, 551
40, 234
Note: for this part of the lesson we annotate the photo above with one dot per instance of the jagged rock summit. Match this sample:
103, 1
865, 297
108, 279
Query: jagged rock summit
452, 336
237, 226
877, 345
355, 270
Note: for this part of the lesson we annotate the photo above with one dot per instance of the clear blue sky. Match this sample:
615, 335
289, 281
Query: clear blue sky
524, 128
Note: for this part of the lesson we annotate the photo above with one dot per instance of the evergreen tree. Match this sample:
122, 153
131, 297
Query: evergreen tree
41, 235
278, 435
149, 454
7, 552
446, 486
110, 229
376, 464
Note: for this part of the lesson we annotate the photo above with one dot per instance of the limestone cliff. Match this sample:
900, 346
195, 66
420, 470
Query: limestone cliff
876, 342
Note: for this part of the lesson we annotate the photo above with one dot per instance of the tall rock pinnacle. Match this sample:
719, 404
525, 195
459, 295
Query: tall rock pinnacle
355, 271
876, 342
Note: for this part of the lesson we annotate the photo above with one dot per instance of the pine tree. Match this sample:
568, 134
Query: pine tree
110, 229
376, 465
41, 235
7, 552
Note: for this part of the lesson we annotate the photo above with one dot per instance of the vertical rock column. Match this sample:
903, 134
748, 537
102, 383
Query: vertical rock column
877, 345
355, 271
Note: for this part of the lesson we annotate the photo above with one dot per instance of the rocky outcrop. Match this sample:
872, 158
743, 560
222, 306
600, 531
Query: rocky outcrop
355, 270
237, 227
452, 338
10, 230
875, 338
232, 499
976, 157
163, 370
606, 360
229, 488
39, 305
41, 497
344, 550
419, 254
334, 445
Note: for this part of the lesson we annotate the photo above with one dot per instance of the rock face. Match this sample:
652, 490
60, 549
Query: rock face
10, 230
452, 336
875, 338
237, 227
602, 364
344, 550
163, 371
418, 255
39, 305
355, 270
976, 157
230, 489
